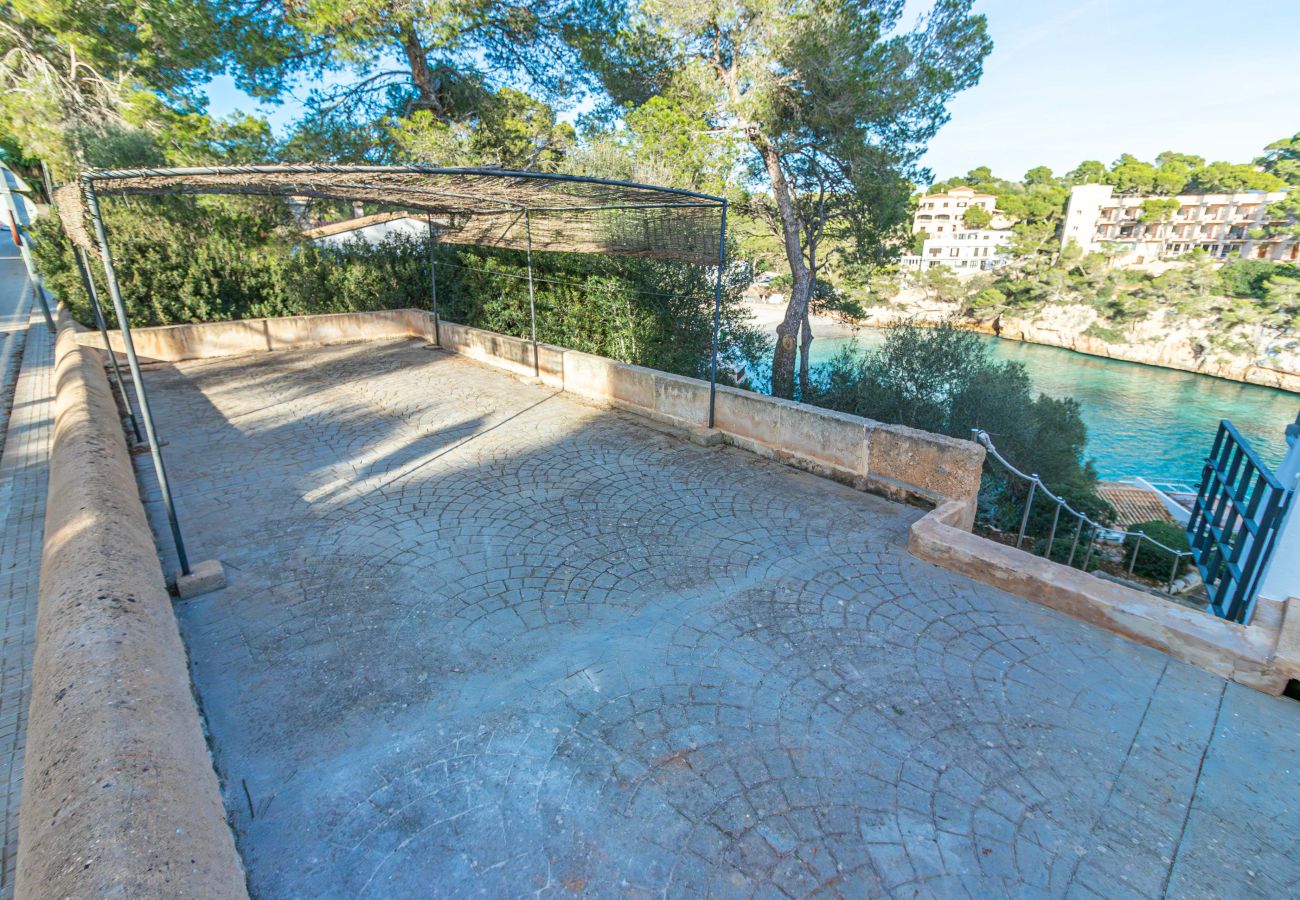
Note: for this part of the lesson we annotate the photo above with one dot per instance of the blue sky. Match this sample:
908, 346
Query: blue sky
1070, 80
1090, 79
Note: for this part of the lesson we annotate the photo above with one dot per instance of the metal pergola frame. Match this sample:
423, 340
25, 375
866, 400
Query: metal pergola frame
397, 186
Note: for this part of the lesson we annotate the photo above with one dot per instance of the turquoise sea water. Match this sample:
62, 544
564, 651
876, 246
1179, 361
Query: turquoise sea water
1142, 420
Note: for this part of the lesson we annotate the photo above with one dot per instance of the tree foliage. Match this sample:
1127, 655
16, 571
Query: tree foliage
943, 379
1282, 158
508, 129
833, 103
187, 260
73, 73
977, 217
444, 58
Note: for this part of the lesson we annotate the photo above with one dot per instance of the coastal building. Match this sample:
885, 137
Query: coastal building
949, 241
373, 229
943, 213
969, 251
1223, 225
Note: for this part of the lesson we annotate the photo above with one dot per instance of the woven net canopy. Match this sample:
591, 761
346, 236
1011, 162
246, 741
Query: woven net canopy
485, 207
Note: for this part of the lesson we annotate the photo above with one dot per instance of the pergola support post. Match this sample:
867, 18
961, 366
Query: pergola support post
433, 285
532, 300
142, 397
101, 323
717, 314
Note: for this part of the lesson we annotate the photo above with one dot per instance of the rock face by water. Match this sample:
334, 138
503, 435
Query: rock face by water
1204, 345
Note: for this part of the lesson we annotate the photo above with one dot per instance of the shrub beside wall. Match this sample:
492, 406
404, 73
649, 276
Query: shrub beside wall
182, 260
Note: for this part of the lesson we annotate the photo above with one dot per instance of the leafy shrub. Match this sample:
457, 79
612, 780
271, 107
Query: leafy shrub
943, 379
1062, 545
1152, 561
988, 301
185, 260
1247, 277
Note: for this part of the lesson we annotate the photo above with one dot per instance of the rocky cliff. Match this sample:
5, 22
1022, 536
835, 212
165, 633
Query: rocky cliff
1248, 353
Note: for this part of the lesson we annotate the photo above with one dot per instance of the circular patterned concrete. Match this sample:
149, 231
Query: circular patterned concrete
482, 639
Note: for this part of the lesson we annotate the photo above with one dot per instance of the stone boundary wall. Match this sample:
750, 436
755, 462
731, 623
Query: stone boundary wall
119, 795
173, 343
1264, 655
901, 463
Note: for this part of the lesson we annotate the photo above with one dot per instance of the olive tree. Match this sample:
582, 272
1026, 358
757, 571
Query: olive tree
834, 103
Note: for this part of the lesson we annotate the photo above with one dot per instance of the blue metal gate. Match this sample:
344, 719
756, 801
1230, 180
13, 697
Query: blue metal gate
1234, 523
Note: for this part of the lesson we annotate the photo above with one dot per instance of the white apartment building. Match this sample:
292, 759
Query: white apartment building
949, 242
942, 213
968, 252
1098, 219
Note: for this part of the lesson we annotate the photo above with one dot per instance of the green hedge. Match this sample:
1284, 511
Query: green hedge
185, 260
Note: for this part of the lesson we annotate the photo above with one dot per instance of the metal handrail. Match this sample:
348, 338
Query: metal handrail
1036, 484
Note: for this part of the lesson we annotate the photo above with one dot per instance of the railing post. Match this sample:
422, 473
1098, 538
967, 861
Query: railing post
102, 324
433, 285
1051, 537
1137, 545
717, 314
1092, 545
1173, 572
1078, 529
1029, 503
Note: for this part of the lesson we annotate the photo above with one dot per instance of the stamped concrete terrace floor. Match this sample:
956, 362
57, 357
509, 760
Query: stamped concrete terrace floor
481, 638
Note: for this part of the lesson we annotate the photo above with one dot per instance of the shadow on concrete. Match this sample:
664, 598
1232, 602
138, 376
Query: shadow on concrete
488, 639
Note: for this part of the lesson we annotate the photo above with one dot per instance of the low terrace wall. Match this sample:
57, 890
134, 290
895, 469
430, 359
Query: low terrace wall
1264, 655
119, 794
205, 340
901, 463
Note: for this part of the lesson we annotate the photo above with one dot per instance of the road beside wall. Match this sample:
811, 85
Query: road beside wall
26, 356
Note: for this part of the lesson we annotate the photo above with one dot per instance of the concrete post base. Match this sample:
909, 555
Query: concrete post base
206, 577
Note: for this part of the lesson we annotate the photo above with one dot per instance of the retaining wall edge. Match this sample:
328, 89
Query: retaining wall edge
119, 793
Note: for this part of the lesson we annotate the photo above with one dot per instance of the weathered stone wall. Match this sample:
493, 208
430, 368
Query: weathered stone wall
1263, 655
901, 463
172, 343
119, 795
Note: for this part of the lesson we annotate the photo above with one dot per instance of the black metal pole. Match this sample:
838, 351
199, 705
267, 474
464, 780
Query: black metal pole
89, 284
717, 313
433, 286
115, 294
532, 303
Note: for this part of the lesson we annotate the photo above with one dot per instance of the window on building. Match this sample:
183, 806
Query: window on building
954, 252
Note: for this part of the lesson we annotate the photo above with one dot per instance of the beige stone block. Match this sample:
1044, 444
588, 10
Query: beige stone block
939, 465
681, 399
831, 438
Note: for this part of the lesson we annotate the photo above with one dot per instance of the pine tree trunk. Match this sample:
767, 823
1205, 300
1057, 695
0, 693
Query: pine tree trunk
805, 344
783, 357
425, 82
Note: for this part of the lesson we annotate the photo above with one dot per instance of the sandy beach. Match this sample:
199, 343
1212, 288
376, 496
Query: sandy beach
768, 315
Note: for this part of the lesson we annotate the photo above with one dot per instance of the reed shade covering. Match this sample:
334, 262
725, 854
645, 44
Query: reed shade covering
484, 207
